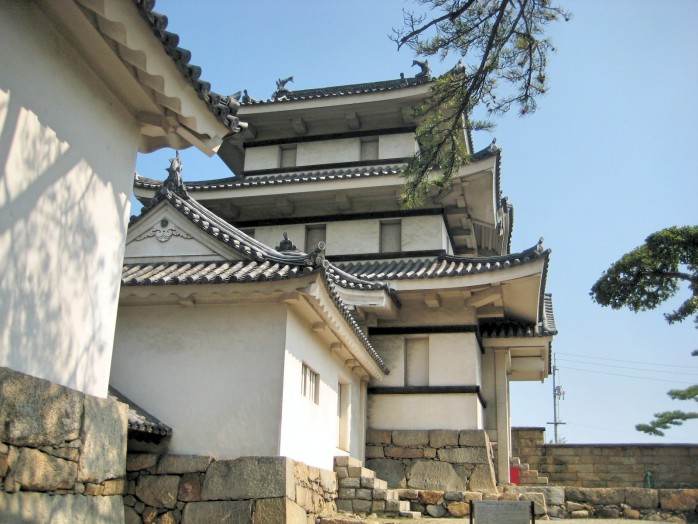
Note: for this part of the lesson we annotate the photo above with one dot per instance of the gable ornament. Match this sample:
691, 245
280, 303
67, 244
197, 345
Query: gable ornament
164, 233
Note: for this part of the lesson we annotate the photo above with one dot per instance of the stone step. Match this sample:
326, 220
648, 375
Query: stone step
531, 473
410, 515
539, 481
405, 505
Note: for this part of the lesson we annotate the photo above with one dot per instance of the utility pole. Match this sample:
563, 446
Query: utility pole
558, 393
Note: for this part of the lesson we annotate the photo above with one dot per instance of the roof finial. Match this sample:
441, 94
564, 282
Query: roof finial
426, 70
246, 98
281, 89
539, 246
286, 244
174, 176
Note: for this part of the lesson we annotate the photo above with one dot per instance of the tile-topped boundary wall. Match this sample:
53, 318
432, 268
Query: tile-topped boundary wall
191, 489
62, 453
672, 466
448, 460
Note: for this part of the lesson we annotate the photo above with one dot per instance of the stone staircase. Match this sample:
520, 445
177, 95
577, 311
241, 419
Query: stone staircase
361, 493
528, 476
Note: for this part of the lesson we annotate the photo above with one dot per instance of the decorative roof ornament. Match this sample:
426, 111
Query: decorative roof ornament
426, 70
459, 68
281, 89
493, 147
246, 98
286, 244
174, 181
539, 246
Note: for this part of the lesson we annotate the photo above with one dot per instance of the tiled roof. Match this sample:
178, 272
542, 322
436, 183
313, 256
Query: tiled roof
224, 107
335, 91
262, 262
140, 420
508, 328
296, 177
441, 266
215, 272
330, 286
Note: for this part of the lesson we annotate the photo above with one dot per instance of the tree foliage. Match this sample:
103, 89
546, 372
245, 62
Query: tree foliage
649, 275
646, 277
503, 54
667, 419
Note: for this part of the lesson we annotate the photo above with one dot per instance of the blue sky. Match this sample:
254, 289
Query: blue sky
607, 159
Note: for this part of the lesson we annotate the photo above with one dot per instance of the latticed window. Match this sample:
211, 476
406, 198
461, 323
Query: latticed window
310, 384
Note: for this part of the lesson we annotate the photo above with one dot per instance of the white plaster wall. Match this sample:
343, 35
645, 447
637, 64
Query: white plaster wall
212, 373
425, 411
489, 392
391, 349
397, 146
422, 233
328, 151
454, 360
67, 157
263, 157
309, 431
353, 236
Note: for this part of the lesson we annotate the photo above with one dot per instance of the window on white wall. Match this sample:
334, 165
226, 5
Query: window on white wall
390, 236
343, 410
369, 148
417, 362
310, 384
288, 155
313, 235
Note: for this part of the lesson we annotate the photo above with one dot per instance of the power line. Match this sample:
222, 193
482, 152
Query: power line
626, 367
630, 376
629, 361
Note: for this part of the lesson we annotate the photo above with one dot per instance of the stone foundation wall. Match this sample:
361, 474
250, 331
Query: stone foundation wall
248, 490
447, 460
666, 505
673, 466
62, 453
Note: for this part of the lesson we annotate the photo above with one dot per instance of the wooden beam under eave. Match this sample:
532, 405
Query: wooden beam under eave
482, 298
432, 300
300, 127
353, 121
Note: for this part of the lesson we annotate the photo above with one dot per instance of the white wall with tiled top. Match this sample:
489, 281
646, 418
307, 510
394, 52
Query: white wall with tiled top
310, 430
64, 205
213, 373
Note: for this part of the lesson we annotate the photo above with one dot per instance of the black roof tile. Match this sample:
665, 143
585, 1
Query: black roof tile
139, 420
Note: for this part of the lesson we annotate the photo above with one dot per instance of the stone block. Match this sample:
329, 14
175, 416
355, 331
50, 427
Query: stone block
368, 482
328, 481
35, 412
579, 514
380, 494
539, 507
429, 496
439, 438
408, 494
378, 436
608, 512
392, 471
554, 495
429, 453
277, 511
473, 438
346, 461
345, 505
103, 434
239, 511
678, 499
482, 479
410, 438
346, 493
400, 452
165, 518
429, 474
436, 510
140, 461
364, 494
249, 478
631, 514
464, 455
350, 482
472, 495
362, 506
24, 507
453, 496
131, 517
642, 498
37, 471
359, 471
158, 491
114, 487
378, 505
596, 495
189, 487
178, 464
459, 509
374, 452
